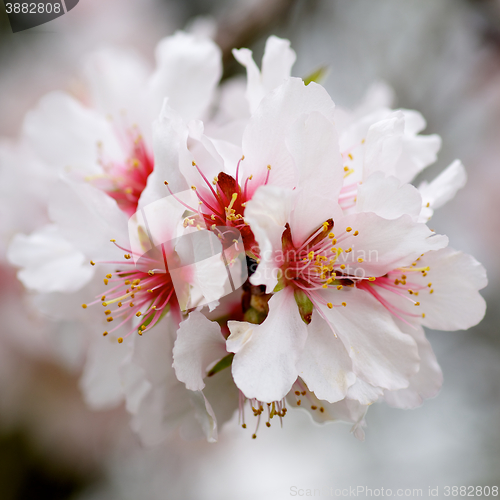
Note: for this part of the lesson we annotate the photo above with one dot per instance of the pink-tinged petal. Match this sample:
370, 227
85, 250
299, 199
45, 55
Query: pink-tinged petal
198, 347
49, 262
264, 137
442, 189
324, 364
383, 245
383, 146
388, 197
426, 383
449, 292
65, 134
88, 218
265, 366
380, 353
364, 393
267, 213
116, 80
188, 70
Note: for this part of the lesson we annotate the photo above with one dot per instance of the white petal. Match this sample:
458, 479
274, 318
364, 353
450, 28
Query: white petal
426, 382
443, 188
380, 353
383, 146
255, 91
169, 136
50, 263
116, 80
418, 152
88, 218
101, 382
265, 366
324, 364
199, 346
267, 213
66, 135
364, 392
188, 70
277, 62
264, 137
313, 143
387, 197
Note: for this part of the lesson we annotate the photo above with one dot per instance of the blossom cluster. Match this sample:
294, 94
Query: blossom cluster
236, 247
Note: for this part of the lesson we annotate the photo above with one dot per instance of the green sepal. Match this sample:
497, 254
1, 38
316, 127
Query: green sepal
225, 362
304, 304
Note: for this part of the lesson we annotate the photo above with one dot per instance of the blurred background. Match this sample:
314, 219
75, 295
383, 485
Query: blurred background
441, 57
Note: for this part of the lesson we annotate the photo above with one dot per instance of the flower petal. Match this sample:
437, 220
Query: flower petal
265, 366
188, 70
426, 382
380, 353
324, 364
50, 263
199, 345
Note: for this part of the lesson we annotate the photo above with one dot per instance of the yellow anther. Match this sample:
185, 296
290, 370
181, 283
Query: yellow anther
423, 315
104, 334
325, 285
105, 281
127, 256
84, 306
372, 278
109, 276
310, 255
165, 182
325, 226
429, 284
193, 163
410, 291
151, 273
339, 287
120, 340
103, 297
344, 304
346, 169
127, 282
342, 266
92, 263
143, 327
138, 313
119, 304
136, 281
139, 332
112, 241
107, 312
131, 304
431, 291
212, 217
110, 319
360, 260
350, 156
355, 233
417, 303
193, 188
348, 229
331, 236
329, 305
104, 304
269, 167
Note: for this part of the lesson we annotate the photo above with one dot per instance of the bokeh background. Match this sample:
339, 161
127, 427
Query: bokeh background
441, 57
